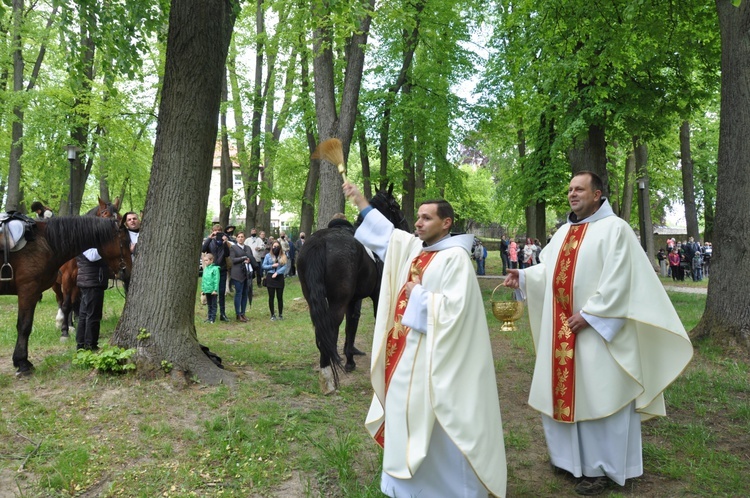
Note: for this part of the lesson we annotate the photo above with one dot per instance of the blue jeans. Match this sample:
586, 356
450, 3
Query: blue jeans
242, 293
480, 267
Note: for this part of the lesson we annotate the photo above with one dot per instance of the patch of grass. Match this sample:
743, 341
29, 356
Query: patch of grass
274, 435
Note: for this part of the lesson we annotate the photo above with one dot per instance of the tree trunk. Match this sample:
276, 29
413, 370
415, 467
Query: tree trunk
239, 135
589, 153
364, 157
13, 201
330, 122
164, 308
307, 213
727, 313
408, 198
226, 173
256, 175
627, 187
688, 185
640, 151
540, 222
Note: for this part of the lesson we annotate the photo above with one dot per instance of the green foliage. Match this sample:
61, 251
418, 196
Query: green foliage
166, 366
143, 334
108, 360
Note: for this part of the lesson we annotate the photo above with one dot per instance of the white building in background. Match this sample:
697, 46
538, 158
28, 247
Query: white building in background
279, 220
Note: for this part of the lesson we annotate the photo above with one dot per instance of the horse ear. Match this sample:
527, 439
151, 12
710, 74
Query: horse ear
102, 204
117, 202
390, 189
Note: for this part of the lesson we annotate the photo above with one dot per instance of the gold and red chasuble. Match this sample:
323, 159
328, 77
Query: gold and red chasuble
563, 339
396, 339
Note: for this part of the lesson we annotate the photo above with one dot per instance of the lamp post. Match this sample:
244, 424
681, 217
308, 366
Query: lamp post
72, 151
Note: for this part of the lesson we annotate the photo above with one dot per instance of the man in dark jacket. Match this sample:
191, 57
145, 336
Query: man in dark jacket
92, 279
218, 244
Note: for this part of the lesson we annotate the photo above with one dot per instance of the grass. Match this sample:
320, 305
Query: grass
66, 431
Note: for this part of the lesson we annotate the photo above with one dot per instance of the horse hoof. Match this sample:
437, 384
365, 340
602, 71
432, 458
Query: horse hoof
64, 337
326, 381
20, 374
349, 367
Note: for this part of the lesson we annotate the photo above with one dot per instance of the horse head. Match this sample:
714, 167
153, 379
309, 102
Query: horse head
106, 209
386, 203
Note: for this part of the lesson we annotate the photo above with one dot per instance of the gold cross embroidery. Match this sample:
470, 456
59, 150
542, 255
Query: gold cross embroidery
561, 297
560, 409
397, 330
571, 245
563, 354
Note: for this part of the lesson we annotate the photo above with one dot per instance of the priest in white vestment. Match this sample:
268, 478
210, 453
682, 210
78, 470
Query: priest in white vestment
608, 341
435, 409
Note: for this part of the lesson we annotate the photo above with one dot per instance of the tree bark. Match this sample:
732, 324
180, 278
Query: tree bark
13, 201
727, 314
332, 123
226, 174
239, 135
164, 308
688, 185
256, 174
640, 151
589, 153
627, 187
307, 212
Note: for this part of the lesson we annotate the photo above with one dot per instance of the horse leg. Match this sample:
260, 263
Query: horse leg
26, 307
352, 322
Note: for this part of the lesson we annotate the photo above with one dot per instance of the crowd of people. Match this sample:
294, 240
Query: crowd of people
233, 261
681, 258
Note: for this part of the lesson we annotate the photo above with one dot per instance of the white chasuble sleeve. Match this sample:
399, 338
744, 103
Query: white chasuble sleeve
375, 232
415, 315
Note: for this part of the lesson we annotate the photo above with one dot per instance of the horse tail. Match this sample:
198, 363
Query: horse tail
311, 268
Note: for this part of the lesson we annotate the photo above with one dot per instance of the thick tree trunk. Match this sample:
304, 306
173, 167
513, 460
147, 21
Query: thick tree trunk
540, 222
307, 213
688, 185
164, 308
727, 313
589, 153
330, 122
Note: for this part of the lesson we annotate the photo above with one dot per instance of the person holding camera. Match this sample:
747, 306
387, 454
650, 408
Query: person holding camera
218, 245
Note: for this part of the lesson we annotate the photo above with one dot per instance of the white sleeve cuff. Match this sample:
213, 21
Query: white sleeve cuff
415, 314
605, 327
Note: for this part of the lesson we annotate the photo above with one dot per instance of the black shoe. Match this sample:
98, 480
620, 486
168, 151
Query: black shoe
224, 318
591, 486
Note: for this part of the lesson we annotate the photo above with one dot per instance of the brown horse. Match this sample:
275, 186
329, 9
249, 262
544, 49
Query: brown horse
35, 266
65, 287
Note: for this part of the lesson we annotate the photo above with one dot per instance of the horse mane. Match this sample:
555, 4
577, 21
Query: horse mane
75, 234
386, 203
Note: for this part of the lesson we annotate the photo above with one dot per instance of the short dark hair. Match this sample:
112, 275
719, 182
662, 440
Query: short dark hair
36, 206
596, 180
444, 209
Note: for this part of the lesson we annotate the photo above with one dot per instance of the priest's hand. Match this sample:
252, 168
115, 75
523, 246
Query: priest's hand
410, 286
352, 192
577, 323
511, 280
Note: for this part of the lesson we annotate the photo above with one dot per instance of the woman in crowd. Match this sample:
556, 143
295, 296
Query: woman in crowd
275, 264
528, 253
241, 275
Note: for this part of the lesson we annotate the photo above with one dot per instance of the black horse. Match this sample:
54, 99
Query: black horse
35, 266
336, 273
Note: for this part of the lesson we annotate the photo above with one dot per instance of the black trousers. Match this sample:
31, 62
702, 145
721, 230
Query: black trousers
89, 318
279, 293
